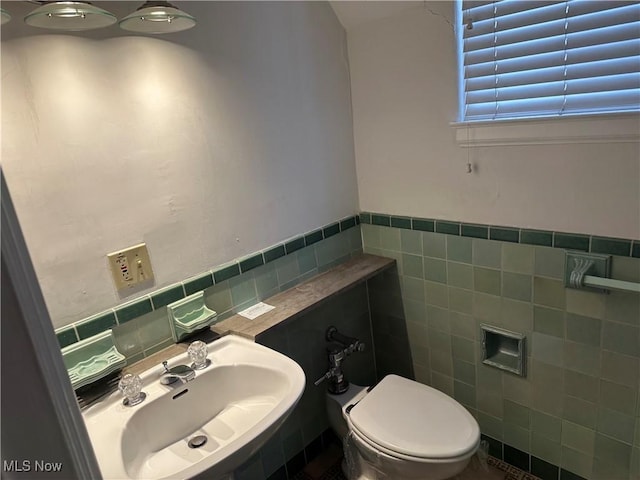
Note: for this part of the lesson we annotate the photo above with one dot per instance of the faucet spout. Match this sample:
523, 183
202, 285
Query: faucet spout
181, 373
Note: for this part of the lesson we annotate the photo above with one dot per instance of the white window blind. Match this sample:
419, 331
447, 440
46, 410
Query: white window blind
523, 58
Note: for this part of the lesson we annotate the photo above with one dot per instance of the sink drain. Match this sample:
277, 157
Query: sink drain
197, 441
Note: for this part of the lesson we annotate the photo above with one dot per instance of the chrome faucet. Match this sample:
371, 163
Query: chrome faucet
180, 373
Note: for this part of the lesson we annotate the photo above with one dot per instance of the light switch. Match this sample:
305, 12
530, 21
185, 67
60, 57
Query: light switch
131, 267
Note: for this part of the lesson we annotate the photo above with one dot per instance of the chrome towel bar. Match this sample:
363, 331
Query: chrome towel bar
592, 272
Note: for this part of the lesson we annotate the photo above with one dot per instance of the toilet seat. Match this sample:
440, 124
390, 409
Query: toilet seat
383, 451
408, 420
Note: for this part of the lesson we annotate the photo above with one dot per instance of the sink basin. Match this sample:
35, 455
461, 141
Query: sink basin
236, 403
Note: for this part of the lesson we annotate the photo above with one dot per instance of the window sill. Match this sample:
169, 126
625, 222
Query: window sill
609, 128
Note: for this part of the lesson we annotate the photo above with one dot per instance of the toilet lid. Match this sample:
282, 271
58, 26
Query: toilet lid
413, 419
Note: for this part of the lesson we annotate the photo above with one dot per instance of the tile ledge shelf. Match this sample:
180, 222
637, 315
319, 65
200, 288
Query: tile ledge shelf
306, 296
546, 238
289, 304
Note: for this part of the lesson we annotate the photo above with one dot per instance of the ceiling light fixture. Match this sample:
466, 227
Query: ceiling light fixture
4, 16
72, 16
157, 17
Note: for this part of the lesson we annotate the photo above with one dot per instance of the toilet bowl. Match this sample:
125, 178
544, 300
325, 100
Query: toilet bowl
402, 430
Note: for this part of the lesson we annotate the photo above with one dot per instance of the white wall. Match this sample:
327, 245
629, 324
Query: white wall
207, 144
403, 77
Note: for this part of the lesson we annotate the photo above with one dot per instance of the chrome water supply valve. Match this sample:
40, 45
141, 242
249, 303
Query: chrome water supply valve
341, 347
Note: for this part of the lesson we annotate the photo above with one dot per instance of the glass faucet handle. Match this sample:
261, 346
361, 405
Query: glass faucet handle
130, 387
198, 354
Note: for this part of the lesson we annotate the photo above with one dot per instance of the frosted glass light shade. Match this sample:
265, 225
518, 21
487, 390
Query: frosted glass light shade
71, 16
4, 16
157, 17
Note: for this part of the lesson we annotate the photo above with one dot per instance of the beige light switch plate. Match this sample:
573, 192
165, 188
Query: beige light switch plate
131, 267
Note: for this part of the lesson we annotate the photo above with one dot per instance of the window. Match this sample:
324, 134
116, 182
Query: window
522, 58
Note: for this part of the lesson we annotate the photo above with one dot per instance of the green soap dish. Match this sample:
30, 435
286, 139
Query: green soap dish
92, 358
189, 315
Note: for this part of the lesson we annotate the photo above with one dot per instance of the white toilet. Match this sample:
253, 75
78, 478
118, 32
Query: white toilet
402, 430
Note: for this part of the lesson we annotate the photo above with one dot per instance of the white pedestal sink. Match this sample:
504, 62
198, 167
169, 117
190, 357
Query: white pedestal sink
237, 403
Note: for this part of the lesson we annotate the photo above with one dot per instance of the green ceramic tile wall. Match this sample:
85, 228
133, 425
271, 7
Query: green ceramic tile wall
141, 326
579, 405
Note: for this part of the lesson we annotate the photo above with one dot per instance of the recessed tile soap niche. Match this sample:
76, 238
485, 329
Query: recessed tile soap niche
503, 349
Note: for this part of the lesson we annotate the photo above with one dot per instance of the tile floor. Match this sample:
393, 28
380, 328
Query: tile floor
327, 467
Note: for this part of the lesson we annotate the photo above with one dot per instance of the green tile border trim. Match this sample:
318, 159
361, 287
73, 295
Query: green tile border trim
611, 246
66, 336
475, 231
504, 234
331, 230
571, 241
313, 237
168, 295
450, 228
252, 262
135, 308
95, 324
294, 245
274, 253
401, 222
384, 220
225, 273
195, 284
348, 223
423, 225
542, 238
